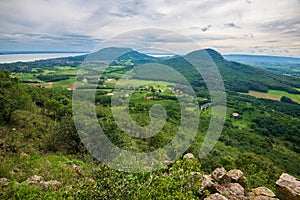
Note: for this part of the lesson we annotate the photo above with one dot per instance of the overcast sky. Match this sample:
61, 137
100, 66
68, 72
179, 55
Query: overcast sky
269, 27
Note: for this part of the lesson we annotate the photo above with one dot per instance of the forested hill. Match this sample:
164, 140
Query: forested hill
236, 76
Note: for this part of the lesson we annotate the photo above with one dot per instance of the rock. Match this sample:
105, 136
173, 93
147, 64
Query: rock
232, 190
288, 187
87, 179
243, 182
216, 196
263, 191
252, 196
220, 175
69, 187
76, 168
207, 184
53, 183
237, 176
189, 156
34, 180
195, 173
4, 182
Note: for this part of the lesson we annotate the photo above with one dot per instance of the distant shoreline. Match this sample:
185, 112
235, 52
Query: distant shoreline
11, 57
40, 52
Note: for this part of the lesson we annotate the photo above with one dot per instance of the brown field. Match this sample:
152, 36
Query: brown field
263, 95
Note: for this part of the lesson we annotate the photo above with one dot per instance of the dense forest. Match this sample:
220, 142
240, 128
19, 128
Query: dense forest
39, 137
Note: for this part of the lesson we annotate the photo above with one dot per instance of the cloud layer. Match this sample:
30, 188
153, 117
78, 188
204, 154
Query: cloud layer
233, 26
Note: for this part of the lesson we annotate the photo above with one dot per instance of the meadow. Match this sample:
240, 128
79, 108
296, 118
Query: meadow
274, 95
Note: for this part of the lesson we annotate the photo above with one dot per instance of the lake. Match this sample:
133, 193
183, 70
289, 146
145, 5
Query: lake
10, 58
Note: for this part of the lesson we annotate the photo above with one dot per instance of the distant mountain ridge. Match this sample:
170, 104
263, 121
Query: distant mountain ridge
285, 65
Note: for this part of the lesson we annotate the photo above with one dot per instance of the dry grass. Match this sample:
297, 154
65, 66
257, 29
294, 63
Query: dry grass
264, 95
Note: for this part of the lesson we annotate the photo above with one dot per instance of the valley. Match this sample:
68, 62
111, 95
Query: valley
261, 133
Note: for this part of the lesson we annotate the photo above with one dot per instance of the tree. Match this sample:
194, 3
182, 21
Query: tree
12, 97
286, 99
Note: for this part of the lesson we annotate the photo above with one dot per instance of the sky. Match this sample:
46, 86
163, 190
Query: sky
264, 27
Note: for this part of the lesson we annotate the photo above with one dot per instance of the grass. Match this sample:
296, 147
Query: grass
294, 97
27, 77
65, 83
274, 95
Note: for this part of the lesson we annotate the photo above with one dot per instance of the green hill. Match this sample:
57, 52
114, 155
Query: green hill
38, 135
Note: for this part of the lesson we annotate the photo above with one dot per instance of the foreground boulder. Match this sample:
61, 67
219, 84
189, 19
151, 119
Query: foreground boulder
261, 193
4, 182
288, 187
232, 185
216, 196
237, 176
219, 174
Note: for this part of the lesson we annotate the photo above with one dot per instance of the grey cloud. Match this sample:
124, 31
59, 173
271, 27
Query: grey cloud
289, 26
231, 25
36, 36
272, 41
206, 28
213, 38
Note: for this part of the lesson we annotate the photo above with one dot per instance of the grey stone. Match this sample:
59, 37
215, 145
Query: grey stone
288, 187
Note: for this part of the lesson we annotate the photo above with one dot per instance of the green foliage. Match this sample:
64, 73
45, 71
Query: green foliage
12, 98
286, 99
38, 135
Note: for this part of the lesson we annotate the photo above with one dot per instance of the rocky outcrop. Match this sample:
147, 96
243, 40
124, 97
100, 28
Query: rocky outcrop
39, 182
232, 185
223, 184
216, 196
261, 193
288, 187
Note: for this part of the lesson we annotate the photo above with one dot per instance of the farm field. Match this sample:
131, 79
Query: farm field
274, 95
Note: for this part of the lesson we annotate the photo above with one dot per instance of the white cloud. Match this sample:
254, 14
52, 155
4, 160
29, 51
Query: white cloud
232, 26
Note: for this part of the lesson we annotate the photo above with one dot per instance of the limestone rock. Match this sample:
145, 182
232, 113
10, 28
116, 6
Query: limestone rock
237, 176
216, 196
232, 190
252, 196
53, 183
207, 184
34, 180
189, 156
219, 174
263, 191
4, 182
288, 187
76, 168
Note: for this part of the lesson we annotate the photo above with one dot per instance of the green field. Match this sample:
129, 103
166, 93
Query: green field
294, 97
274, 95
